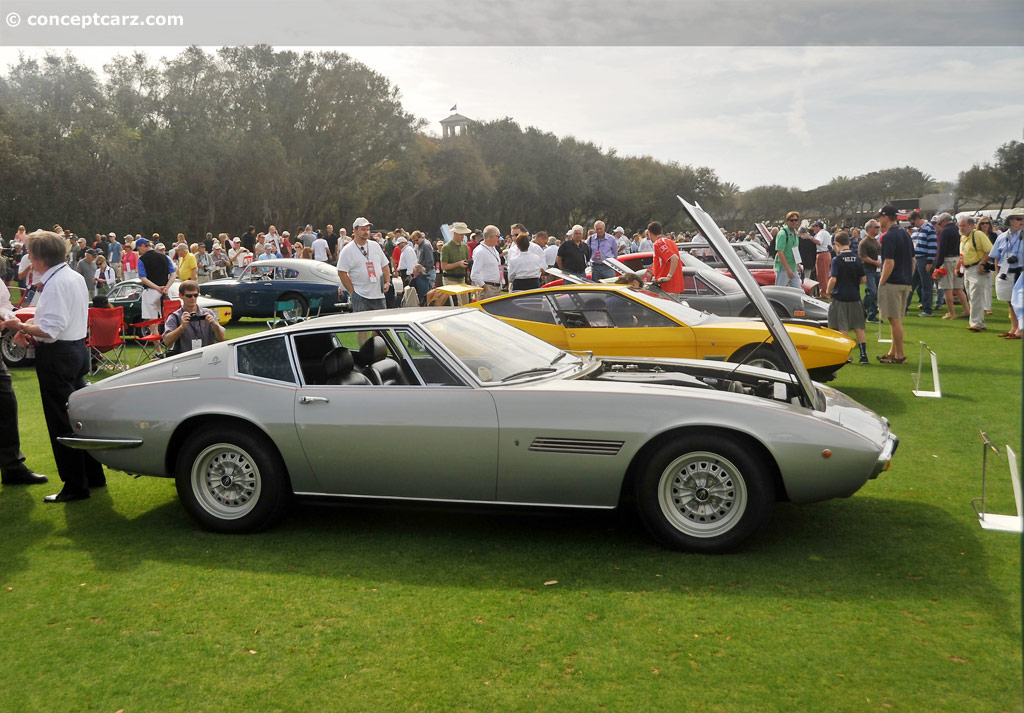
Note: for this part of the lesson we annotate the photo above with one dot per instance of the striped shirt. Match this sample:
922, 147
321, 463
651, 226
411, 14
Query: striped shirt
925, 242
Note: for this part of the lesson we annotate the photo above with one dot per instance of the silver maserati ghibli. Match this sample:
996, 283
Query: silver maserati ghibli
701, 449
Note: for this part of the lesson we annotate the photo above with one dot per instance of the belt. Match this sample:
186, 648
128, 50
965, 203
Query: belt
452, 275
493, 284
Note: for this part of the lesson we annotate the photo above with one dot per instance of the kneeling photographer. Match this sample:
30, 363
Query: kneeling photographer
191, 327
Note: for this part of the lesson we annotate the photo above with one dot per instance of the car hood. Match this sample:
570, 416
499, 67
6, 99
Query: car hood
808, 395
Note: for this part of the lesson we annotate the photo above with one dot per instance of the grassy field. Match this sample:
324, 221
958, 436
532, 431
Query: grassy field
894, 599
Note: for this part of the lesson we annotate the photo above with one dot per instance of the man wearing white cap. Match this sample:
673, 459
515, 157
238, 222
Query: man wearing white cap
621, 240
364, 269
115, 252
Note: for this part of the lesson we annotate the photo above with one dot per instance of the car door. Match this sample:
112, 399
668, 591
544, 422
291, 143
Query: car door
610, 323
257, 290
434, 437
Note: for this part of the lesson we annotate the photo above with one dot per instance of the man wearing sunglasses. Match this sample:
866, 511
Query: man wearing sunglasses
787, 272
191, 326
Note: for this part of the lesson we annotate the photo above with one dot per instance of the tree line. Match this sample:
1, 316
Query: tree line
249, 135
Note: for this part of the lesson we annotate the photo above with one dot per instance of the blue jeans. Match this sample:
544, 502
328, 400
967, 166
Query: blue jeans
923, 280
871, 293
600, 271
363, 304
783, 280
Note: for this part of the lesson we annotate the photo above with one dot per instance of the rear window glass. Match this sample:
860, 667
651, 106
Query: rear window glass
266, 358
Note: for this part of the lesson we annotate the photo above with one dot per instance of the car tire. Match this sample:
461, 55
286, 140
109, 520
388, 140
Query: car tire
763, 356
231, 481
13, 355
703, 493
301, 307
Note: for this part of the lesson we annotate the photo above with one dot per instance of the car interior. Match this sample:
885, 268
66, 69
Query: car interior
369, 359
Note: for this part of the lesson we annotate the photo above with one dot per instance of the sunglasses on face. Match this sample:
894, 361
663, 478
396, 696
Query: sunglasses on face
793, 220
190, 294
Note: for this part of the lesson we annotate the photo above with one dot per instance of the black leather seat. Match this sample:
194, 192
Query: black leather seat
377, 365
339, 368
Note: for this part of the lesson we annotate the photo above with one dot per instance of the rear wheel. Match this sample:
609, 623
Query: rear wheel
704, 493
230, 481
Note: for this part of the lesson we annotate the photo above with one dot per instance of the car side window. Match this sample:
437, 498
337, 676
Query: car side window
266, 359
625, 312
532, 308
431, 370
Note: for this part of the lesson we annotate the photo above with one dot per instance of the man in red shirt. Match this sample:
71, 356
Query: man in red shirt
668, 268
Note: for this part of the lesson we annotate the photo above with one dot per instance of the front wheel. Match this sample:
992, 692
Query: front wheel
230, 481
763, 356
704, 493
13, 354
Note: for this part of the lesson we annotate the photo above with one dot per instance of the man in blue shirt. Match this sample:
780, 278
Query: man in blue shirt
602, 246
894, 283
925, 245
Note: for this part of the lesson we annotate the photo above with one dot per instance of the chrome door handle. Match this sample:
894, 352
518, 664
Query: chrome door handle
313, 399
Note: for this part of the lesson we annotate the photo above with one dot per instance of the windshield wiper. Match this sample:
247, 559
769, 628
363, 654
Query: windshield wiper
555, 360
526, 372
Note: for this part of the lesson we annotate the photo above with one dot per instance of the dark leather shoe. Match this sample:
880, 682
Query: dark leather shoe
65, 497
26, 477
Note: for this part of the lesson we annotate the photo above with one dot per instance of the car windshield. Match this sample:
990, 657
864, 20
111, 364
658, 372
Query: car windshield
755, 250
494, 351
710, 275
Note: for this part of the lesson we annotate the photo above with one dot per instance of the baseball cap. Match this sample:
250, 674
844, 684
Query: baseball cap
401, 241
914, 216
619, 229
360, 222
141, 241
818, 223
111, 235
888, 211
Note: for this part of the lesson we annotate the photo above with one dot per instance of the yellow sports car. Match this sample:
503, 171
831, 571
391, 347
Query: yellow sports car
613, 320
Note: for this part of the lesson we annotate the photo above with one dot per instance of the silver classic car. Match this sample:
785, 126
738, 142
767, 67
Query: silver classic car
702, 450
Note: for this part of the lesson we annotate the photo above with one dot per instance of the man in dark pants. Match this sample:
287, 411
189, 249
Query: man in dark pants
58, 330
13, 470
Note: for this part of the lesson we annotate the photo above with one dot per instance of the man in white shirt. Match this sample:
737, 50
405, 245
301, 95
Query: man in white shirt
58, 331
364, 270
822, 246
321, 250
487, 271
551, 253
406, 259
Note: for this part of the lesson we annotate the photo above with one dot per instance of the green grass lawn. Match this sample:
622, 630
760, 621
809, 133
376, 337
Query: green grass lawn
894, 599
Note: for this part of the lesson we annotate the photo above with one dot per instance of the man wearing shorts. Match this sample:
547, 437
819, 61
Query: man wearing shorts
156, 272
895, 282
846, 275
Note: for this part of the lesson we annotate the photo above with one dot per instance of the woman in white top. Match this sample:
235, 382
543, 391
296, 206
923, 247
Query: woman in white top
524, 267
105, 276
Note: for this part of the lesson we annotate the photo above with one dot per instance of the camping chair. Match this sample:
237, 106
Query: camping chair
315, 303
105, 339
151, 344
281, 317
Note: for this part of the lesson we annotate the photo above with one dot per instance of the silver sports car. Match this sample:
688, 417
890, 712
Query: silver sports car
700, 449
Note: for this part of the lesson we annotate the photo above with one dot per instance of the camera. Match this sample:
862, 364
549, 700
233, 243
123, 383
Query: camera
1011, 260
195, 315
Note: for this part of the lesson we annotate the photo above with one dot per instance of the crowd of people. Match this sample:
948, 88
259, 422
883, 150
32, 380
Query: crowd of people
941, 260
944, 261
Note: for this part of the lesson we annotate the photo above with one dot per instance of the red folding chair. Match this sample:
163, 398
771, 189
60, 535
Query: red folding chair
105, 339
152, 344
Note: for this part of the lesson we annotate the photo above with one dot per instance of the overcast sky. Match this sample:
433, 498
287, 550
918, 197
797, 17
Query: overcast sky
796, 117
